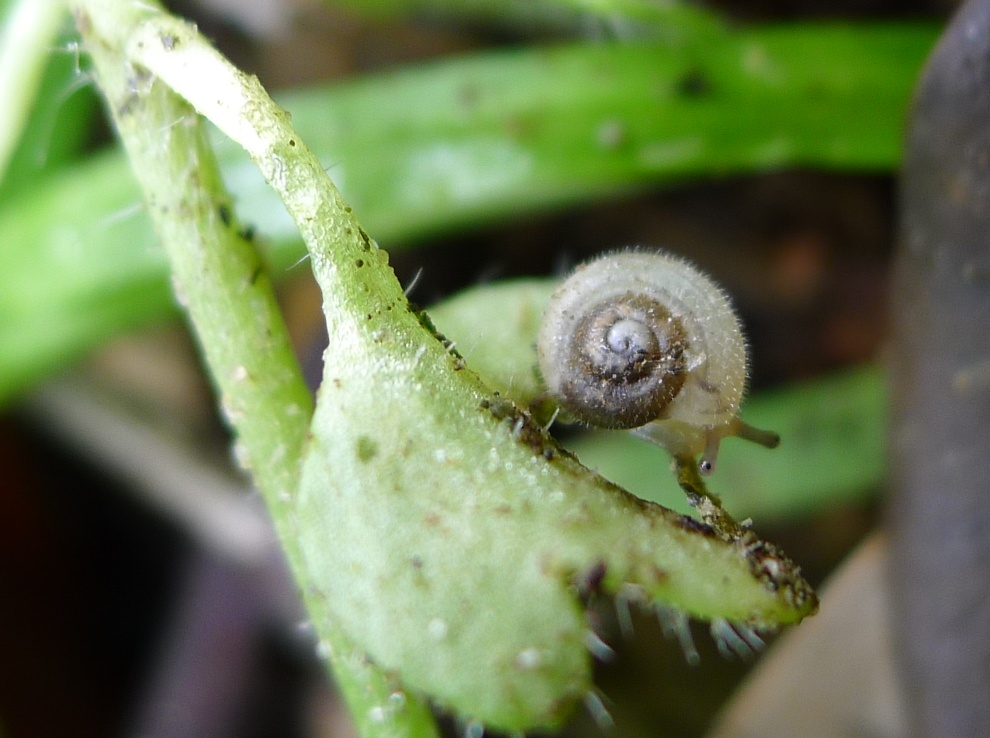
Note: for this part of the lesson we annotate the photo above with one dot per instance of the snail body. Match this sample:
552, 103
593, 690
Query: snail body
645, 341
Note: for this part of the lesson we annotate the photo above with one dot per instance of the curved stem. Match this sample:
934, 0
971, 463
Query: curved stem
220, 279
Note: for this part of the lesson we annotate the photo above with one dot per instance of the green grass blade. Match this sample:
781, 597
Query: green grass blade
28, 29
57, 127
469, 142
476, 140
671, 21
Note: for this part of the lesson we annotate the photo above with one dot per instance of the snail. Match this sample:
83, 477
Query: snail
645, 341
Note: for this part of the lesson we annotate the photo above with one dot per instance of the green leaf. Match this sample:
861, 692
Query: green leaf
671, 21
479, 139
467, 142
57, 127
450, 536
42, 121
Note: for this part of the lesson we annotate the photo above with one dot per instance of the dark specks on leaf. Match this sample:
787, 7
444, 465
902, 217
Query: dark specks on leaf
694, 83
468, 96
588, 581
128, 105
778, 573
695, 526
365, 239
524, 428
367, 449
424, 320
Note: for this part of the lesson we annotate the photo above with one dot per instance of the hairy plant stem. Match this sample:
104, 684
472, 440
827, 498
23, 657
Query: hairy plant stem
219, 277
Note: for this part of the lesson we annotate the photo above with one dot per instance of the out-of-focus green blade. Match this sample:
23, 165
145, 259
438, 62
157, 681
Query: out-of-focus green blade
480, 139
468, 142
832, 450
57, 127
41, 121
670, 21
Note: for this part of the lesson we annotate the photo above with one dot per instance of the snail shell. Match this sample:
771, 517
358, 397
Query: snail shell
645, 341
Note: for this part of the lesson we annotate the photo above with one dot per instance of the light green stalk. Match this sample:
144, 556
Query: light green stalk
220, 279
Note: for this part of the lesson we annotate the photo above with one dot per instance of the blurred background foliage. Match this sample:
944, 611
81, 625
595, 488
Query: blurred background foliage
476, 140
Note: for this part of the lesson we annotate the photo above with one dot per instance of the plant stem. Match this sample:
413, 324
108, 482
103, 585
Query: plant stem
220, 279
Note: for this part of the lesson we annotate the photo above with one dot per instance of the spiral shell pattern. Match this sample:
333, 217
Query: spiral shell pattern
644, 340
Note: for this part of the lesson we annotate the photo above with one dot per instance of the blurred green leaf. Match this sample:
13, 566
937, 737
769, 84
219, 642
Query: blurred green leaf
469, 142
58, 125
670, 21
479, 139
41, 121
832, 451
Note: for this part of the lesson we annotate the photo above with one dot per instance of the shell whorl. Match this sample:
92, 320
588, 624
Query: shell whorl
645, 340
626, 362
